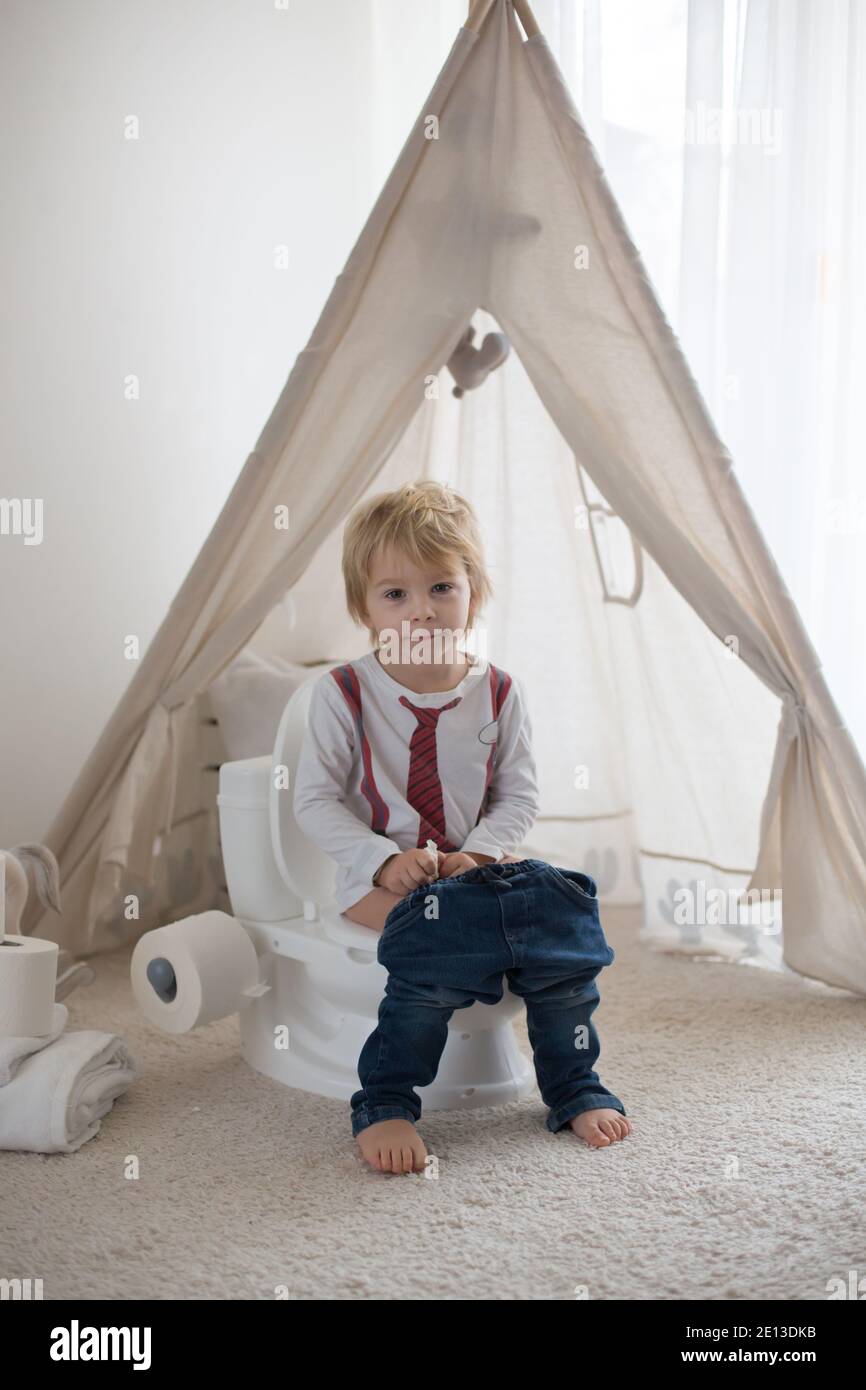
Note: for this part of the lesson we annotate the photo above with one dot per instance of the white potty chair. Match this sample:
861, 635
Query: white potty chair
325, 983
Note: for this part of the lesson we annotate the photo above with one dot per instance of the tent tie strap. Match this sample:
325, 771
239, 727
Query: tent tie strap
791, 705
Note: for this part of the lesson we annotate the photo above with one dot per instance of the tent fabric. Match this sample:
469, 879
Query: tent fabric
503, 216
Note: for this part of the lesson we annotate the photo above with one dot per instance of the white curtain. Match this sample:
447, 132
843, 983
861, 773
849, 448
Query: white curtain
790, 317
733, 133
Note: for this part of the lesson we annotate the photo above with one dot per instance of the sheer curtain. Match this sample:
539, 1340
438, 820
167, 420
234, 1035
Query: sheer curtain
733, 133
790, 316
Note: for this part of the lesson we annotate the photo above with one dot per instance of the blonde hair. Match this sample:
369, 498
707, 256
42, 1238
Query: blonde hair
430, 524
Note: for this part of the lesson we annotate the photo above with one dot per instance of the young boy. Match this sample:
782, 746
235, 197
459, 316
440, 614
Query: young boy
402, 755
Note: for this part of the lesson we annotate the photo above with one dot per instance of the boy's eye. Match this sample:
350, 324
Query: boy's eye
443, 584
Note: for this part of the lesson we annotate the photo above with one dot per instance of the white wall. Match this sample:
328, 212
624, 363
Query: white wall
260, 125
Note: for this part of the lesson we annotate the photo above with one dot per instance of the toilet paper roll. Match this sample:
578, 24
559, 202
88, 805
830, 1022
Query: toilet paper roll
28, 975
194, 971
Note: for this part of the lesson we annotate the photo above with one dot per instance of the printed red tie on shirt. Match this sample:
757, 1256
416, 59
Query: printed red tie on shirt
423, 788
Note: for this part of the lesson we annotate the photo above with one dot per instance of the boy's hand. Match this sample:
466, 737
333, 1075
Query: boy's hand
455, 863
407, 871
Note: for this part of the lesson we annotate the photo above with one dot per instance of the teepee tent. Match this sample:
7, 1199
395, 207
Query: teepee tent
684, 733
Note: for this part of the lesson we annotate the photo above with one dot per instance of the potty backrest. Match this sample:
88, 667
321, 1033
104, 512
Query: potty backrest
307, 870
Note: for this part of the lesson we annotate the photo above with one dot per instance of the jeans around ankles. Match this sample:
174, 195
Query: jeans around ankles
450, 943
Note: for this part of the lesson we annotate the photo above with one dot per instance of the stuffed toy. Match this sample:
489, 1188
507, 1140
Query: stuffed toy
471, 366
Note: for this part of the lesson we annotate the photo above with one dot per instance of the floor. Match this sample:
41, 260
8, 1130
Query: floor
744, 1177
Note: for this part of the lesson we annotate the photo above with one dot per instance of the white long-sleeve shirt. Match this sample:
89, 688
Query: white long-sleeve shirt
350, 791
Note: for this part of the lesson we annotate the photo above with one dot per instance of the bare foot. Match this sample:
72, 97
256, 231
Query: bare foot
600, 1127
393, 1146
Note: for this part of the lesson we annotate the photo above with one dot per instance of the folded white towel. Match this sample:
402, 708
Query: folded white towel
14, 1050
60, 1086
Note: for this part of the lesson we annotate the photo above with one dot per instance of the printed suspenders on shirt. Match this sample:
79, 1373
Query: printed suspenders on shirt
349, 684
500, 684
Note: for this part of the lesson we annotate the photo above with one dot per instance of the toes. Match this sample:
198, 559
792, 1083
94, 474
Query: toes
616, 1127
601, 1130
407, 1158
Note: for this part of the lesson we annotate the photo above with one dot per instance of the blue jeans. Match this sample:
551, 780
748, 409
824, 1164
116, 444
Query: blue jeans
449, 943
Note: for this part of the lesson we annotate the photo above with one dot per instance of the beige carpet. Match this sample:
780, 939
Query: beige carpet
744, 1177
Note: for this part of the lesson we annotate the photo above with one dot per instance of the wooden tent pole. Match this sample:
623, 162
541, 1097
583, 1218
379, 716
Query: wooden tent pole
477, 14
526, 17
479, 9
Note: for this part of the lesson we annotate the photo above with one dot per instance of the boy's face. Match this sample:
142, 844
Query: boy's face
427, 598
